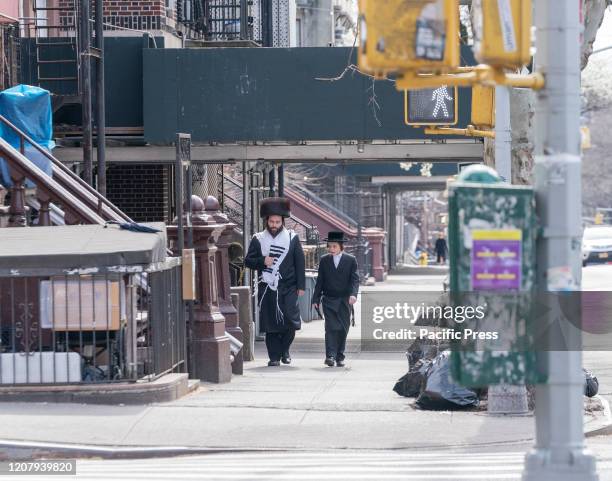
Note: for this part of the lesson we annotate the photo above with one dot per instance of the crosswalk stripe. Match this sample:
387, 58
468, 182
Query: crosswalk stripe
307, 466
302, 477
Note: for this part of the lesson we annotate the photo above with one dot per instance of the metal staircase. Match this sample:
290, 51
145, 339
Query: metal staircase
56, 44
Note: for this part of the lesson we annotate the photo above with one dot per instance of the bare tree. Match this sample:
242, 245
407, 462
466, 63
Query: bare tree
522, 102
593, 11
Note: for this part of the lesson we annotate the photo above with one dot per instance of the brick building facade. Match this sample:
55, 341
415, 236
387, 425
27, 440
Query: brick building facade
141, 191
131, 14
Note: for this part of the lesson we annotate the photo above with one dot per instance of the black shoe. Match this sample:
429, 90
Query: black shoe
340, 362
329, 361
286, 359
273, 363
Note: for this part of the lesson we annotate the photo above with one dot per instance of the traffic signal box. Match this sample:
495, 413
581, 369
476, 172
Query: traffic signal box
402, 35
483, 107
437, 110
492, 246
431, 106
502, 32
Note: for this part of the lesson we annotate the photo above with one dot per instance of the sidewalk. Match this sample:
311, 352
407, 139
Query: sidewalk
302, 406
305, 405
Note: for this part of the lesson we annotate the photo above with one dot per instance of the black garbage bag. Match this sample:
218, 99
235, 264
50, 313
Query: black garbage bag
441, 392
591, 384
422, 349
413, 382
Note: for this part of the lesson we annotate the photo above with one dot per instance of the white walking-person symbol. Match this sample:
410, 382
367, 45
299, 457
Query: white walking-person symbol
440, 95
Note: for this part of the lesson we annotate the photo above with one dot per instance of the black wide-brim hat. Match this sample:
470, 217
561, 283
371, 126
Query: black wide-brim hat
275, 206
335, 236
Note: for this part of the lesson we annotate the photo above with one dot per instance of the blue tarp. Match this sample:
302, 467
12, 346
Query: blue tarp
29, 109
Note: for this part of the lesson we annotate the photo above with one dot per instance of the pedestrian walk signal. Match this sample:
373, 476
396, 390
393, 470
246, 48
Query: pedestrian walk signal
431, 106
408, 35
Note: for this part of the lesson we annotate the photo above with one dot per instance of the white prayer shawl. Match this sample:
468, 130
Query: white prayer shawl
276, 247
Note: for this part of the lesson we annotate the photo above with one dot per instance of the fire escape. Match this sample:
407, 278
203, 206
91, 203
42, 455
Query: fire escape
66, 37
227, 20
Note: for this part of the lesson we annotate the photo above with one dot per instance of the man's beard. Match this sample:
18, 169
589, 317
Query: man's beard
274, 231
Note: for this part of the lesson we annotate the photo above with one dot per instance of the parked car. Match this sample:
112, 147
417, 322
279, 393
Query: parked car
597, 245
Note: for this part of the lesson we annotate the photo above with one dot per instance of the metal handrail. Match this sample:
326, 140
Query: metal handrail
47, 184
239, 185
311, 196
72, 176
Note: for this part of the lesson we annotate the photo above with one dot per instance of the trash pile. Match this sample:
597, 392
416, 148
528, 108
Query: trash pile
429, 380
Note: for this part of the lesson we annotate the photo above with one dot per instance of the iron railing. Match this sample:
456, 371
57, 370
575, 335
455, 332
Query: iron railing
222, 20
59, 328
67, 179
328, 206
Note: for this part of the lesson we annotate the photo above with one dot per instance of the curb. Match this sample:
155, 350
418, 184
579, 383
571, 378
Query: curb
26, 450
419, 271
167, 388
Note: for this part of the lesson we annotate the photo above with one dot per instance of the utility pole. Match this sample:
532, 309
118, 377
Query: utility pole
503, 137
101, 110
559, 453
85, 65
505, 398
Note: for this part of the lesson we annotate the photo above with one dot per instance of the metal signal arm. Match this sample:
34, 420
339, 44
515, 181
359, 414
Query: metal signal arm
470, 131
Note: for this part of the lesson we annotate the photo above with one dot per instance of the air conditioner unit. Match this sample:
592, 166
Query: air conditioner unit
39, 367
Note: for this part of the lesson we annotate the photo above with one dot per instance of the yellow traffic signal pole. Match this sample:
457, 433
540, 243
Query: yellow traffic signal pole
470, 131
478, 75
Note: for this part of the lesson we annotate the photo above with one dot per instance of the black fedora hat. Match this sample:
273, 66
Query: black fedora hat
335, 236
275, 206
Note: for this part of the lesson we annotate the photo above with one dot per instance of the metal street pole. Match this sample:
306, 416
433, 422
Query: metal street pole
85, 53
101, 110
503, 138
559, 453
504, 398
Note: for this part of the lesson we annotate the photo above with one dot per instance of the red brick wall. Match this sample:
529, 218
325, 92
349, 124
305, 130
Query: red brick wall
134, 14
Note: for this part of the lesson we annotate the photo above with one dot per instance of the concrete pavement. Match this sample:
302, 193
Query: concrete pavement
305, 405
302, 406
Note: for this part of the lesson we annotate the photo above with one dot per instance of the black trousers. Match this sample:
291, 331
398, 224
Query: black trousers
335, 343
441, 257
278, 343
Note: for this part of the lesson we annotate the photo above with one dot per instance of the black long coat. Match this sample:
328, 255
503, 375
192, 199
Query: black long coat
285, 298
334, 286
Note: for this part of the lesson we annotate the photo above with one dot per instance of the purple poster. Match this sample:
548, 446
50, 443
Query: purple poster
496, 259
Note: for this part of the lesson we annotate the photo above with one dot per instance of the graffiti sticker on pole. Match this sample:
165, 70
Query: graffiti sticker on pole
431, 106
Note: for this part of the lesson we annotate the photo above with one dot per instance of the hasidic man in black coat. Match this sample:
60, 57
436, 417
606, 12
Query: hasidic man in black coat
336, 289
277, 255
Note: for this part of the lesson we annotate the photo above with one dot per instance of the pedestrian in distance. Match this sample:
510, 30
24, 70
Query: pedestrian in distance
441, 249
336, 290
277, 255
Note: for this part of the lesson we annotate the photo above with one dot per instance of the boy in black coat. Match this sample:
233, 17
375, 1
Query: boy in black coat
336, 289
